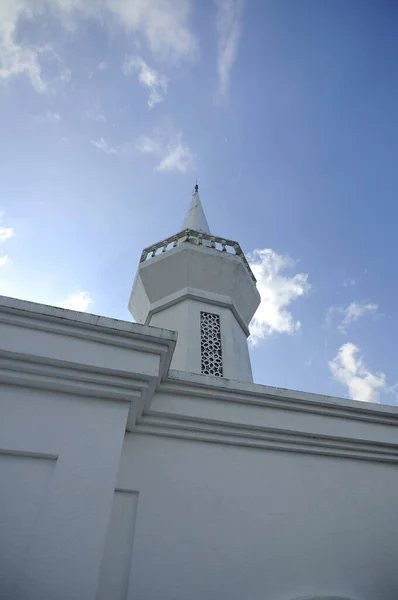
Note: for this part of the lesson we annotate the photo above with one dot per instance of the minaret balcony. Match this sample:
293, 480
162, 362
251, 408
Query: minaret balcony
199, 238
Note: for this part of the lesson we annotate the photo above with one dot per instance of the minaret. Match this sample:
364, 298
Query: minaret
201, 286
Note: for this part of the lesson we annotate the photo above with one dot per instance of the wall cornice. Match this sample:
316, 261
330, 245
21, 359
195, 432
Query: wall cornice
53, 375
215, 410
59, 350
86, 326
189, 293
205, 430
226, 390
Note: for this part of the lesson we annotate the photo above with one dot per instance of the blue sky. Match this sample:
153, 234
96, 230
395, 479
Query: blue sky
285, 111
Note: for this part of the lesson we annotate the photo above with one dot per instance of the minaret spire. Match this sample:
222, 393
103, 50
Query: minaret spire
195, 217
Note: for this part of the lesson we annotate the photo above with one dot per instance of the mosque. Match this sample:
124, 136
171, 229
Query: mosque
139, 461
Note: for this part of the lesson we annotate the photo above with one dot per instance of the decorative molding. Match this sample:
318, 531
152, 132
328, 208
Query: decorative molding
205, 430
45, 372
54, 375
27, 454
228, 391
103, 330
81, 380
189, 293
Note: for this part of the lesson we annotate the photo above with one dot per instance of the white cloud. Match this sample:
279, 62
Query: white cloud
349, 282
95, 115
229, 16
349, 369
102, 145
48, 118
277, 292
150, 145
53, 117
173, 154
80, 301
16, 59
5, 232
393, 389
150, 78
102, 66
163, 24
23, 58
354, 311
178, 157
5, 260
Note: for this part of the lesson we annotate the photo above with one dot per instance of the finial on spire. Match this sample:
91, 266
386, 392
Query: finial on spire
195, 218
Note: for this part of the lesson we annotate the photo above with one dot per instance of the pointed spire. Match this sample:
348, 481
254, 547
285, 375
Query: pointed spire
196, 218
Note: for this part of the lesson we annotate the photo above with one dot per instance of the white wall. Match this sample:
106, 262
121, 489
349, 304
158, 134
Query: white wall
223, 490
217, 521
59, 459
115, 567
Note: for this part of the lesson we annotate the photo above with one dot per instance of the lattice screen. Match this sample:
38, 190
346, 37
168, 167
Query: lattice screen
210, 339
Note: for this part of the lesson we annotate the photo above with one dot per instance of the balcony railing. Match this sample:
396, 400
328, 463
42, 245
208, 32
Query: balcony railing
200, 239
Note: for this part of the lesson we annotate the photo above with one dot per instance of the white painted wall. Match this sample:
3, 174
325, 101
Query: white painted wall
59, 459
223, 489
223, 522
116, 562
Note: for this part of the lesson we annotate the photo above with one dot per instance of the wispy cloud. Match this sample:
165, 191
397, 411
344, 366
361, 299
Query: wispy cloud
17, 58
95, 115
163, 25
4, 260
170, 150
52, 117
102, 145
351, 313
151, 144
150, 78
178, 157
21, 57
80, 301
48, 118
349, 369
349, 282
5, 232
229, 26
102, 66
277, 292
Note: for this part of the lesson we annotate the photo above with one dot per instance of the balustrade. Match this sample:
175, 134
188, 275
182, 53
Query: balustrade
199, 238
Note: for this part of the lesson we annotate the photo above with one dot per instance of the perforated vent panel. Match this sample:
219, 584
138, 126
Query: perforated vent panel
210, 339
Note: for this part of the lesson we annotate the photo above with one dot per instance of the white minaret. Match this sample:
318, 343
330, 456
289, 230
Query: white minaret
201, 286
